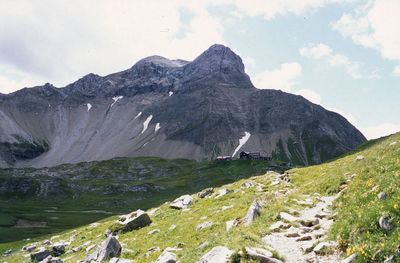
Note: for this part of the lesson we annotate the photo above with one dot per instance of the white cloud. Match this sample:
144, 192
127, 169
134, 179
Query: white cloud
282, 78
374, 26
249, 62
324, 53
377, 131
396, 71
310, 95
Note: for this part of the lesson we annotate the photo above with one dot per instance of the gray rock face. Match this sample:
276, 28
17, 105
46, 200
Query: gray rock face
170, 109
261, 255
166, 257
40, 255
182, 202
385, 222
135, 220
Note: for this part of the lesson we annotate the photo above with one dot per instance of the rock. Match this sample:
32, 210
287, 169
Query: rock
288, 217
206, 192
166, 257
154, 231
307, 202
231, 224
120, 260
350, 259
172, 227
359, 158
204, 225
276, 182
58, 249
29, 248
382, 196
309, 223
40, 255
304, 238
260, 255
108, 249
51, 259
132, 221
107, 232
392, 143
248, 184
307, 247
46, 242
277, 226
324, 248
7, 252
226, 207
385, 222
253, 212
90, 247
203, 245
218, 254
182, 202
153, 212
389, 259
222, 192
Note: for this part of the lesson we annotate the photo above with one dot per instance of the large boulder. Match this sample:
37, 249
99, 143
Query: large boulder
132, 221
218, 254
182, 202
108, 249
166, 257
206, 192
51, 259
58, 249
253, 212
40, 255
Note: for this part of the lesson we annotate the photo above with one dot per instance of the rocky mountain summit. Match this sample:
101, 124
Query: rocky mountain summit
170, 109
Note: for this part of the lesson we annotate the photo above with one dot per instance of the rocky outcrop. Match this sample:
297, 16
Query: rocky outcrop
170, 109
133, 221
253, 212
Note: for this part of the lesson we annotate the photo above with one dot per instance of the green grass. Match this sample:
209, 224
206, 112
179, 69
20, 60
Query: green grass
68, 206
355, 228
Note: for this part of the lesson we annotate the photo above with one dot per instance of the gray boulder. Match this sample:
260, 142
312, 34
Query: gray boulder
385, 222
58, 249
108, 249
253, 212
120, 260
206, 192
218, 254
182, 202
132, 221
382, 196
40, 255
51, 259
166, 257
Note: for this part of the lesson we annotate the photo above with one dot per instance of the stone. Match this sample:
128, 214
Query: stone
222, 192
304, 238
40, 255
182, 202
324, 248
172, 227
166, 257
29, 248
90, 247
206, 192
7, 252
382, 196
310, 222
276, 182
218, 254
58, 249
260, 255
385, 222
51, 259
154, 231
359, 158
231, 224
277, 226
307, 247
203, 245
350, 259
253, 212
120, 260
288, 217
226, 207
389, 259
204, 225
108, 249
247, 184
132, 221
47, 242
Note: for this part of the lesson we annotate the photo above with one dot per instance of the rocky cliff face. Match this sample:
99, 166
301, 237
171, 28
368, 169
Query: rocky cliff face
171, 109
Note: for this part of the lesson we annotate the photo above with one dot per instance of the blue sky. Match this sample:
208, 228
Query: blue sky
344, 55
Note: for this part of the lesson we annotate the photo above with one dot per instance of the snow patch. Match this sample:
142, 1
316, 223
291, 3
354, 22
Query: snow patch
242, 141
138, 115
146, 123
170, 93
89, 106
115, 99
157, 127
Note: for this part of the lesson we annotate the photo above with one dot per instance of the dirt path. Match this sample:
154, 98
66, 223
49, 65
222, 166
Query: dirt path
301, 237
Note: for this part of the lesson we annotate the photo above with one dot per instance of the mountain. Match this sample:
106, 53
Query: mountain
170, 109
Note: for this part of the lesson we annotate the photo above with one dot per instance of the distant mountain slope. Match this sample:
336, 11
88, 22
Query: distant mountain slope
170, 109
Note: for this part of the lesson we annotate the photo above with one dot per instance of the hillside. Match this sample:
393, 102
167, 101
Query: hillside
365, 183
170, 109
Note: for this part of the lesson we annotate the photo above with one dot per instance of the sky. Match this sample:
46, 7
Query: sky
341, 54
